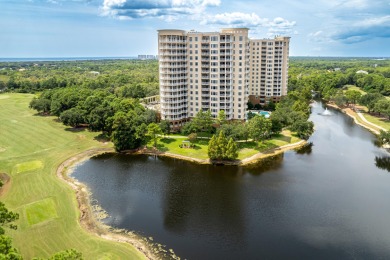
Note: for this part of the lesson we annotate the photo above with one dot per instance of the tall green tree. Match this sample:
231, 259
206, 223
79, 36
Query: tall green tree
125, 135
370, 99
7, 251
154, 131
259, 128
353, 95
204, 121
72, 117
231, 150
165, 127
221, 119
304, 129
220, 148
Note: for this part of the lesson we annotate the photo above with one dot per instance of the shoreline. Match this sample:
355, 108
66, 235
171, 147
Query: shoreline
246, 161
350, 114
87, 219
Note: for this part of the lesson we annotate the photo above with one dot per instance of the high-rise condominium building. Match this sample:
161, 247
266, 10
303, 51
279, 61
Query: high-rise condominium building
218, 71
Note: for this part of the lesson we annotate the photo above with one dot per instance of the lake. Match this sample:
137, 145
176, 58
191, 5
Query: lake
327, 201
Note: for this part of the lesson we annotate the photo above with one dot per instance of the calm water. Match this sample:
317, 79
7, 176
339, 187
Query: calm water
330, 201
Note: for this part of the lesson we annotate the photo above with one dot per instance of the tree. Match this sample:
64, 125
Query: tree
154, 131
192, 137
304, 129
259, 128
165, 127
221, 149
369, 100
382, 106
221, 119
72, 117
231, 150
190, 127
6, 219
42, 105
277, 126
339, 99
384, 137
204, 121
7, 251
353, 96
271, 106
212, 148
250, 115
125, 134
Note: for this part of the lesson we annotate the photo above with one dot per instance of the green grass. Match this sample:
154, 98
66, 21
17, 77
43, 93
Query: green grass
28, 166
385, 123
41, 211
352, 87
373, 119
25, 140
172, 145
246, 149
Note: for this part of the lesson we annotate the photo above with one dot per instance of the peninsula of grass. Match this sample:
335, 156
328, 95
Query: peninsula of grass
31, 149
247, 149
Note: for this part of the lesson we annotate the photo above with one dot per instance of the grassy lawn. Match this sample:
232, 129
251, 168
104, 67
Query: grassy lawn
246, 149
373, 119
385, 123
31, 149
352, 87
40, 211
172, 145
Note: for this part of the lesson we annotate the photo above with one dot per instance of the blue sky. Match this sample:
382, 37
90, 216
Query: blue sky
86, 28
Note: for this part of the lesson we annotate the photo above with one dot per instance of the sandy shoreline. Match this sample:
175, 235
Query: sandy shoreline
349, 112
88, 219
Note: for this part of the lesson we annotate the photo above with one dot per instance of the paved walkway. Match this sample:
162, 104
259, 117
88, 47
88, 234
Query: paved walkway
368, 122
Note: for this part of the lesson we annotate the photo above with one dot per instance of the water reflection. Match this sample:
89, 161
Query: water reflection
383, 162
264, 165
306, 149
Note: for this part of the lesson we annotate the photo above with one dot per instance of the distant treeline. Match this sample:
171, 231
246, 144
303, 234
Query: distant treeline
328, 76
132, 77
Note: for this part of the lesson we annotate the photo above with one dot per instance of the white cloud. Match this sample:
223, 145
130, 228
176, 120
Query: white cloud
277, 26
235, 18
377, 27
168, 10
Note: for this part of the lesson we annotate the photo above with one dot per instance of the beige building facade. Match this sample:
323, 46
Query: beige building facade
218, 71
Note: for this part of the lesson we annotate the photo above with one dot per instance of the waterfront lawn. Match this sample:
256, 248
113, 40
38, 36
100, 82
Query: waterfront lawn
31, 149
380, 121
172, 145
246, 149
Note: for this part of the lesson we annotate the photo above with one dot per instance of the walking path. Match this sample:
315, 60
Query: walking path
366, 121
356, 116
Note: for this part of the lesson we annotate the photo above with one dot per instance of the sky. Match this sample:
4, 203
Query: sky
125, 28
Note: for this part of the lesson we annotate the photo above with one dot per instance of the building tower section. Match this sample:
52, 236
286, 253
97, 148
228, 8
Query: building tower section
268, 69
173, 70
201, 71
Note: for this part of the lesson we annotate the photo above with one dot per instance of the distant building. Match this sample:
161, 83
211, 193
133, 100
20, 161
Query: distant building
361, 72
147, 57
95, 73
219, 71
